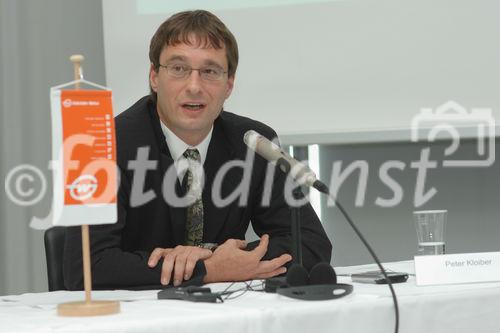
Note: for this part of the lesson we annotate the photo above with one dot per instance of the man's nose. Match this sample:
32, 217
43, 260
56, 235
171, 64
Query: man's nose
194, 82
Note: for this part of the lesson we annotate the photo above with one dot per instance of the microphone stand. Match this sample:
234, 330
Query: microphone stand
285, 166
296, 227
275, 155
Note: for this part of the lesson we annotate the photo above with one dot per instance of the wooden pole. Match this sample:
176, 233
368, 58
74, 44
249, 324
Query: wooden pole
89, 307
77, 60
87, 275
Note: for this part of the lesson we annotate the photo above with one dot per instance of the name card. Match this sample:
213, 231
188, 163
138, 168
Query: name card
457, 268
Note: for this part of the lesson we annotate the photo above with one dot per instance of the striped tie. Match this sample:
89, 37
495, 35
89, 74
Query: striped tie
194, 218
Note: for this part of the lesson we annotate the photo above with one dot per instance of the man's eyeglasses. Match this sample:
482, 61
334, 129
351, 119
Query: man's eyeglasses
209, 73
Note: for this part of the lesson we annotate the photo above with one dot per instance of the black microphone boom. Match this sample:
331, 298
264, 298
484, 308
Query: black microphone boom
324, 189
305, 176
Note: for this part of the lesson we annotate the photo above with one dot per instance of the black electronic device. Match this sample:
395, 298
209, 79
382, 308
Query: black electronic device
192, 294
272, 284
377, 277
319, 284
318, 292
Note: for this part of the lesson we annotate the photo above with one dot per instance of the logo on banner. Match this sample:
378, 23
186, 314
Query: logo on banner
83, 187
67, 103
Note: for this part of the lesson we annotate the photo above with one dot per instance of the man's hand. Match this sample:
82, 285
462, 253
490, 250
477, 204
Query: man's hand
179, 260
230, 262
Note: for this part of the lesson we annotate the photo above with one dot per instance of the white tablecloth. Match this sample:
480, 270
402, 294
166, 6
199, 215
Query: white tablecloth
458, 308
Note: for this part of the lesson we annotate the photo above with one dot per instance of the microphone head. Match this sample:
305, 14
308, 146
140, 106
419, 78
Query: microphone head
250, 139
297, 276
322, 273
262, 146
272, 152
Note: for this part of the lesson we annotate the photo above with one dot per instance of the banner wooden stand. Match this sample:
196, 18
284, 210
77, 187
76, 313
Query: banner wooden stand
87, 307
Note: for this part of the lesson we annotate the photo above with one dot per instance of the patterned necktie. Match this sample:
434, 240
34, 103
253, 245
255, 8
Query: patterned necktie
194, 216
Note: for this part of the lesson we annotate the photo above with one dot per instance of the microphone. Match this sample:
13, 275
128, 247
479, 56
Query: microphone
270, 151
305, 176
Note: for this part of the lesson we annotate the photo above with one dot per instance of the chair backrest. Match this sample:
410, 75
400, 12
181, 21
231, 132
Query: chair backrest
54, 249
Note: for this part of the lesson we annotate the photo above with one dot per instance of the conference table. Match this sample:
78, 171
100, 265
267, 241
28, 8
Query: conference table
450, 308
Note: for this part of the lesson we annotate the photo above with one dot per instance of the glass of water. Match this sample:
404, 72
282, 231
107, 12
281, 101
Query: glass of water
430, 226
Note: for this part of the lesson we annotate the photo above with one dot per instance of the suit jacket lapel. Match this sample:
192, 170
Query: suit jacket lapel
219, 153
177, 214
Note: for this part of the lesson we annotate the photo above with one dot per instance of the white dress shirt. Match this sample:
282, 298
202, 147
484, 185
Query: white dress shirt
177, 147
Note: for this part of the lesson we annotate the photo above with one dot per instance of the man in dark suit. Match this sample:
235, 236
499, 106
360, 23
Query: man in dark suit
174, 225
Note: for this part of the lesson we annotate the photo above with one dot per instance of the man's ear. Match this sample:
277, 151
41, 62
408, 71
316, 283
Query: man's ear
153, 78
230, 85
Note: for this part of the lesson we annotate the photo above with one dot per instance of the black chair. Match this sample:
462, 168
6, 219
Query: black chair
54, 249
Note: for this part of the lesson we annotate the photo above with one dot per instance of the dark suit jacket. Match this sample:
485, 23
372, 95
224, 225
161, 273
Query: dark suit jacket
120, 251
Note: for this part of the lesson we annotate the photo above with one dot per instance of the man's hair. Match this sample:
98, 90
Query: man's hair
207, 29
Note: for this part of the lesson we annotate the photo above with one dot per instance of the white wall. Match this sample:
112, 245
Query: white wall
330, 66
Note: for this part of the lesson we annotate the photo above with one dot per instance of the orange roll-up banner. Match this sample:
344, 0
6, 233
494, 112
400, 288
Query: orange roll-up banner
84, 154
